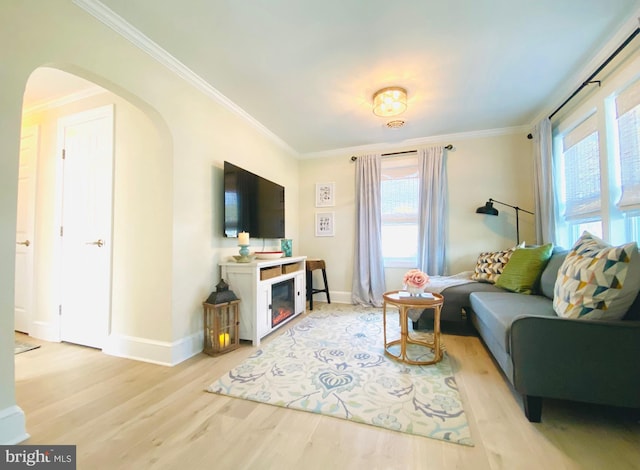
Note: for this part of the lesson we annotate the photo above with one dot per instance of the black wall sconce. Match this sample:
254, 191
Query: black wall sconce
488, 209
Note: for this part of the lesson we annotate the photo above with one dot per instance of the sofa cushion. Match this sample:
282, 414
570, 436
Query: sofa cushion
633, 314
497, 310
522, 272
550, 273
597, 281
456, 298
490, 264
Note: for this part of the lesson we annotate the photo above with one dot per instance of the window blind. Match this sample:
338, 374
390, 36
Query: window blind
628, 118
582, 170
400, 190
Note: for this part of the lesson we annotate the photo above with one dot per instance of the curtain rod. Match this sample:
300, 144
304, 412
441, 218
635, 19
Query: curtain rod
591, 80
354, 158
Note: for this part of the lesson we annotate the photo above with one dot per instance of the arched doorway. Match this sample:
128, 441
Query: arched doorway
65, 179
141, 169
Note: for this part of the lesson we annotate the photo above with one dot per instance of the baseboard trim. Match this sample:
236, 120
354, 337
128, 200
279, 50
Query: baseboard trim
338, 297
45, 331
12, 426
187, 347
155, 352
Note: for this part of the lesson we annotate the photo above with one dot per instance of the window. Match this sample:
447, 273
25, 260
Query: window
628, 127
582, 171
400, 188
580, 181
597, 162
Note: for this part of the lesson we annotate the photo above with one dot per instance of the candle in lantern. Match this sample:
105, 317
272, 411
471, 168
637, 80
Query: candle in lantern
224, 340
243, 238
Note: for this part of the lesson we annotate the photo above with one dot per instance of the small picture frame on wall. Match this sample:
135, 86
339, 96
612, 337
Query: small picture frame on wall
325, 224
325, 194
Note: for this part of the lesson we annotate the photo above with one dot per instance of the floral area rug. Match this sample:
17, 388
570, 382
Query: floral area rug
332, 362
21, 346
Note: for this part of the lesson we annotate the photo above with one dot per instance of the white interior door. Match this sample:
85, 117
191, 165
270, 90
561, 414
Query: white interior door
25, 228
87, 141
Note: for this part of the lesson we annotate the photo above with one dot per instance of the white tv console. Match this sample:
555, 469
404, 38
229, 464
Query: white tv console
253, 284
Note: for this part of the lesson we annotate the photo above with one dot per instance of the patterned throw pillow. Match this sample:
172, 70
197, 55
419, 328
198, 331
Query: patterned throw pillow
490, 264
597, 281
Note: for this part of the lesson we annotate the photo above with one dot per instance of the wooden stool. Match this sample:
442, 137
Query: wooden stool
312, 265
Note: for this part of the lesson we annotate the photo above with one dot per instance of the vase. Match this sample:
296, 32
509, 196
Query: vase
286, 247
415, 291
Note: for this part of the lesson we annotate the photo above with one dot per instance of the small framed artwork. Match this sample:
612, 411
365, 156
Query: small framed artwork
325, 224
325, 194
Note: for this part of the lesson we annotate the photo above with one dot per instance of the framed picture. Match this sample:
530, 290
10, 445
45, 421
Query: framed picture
324, 224
325, 194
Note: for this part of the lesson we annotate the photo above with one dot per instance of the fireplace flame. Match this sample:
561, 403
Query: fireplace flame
282, 315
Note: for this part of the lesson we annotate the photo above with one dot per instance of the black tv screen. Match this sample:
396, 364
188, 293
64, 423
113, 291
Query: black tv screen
252, 204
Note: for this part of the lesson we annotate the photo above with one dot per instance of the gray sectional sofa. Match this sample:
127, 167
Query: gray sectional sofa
547, 356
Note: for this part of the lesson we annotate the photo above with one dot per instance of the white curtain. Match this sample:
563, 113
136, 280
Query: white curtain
368, 270
432, 234
544, 193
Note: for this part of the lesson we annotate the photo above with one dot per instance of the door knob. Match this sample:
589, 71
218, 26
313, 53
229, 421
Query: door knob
98, 242
25, 243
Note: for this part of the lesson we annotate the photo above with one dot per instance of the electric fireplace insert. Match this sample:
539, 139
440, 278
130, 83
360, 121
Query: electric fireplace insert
282, 301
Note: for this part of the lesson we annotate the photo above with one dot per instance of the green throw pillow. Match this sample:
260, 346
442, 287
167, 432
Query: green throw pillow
522, 272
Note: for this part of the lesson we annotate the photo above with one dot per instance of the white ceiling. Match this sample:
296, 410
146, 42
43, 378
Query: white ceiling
306, 70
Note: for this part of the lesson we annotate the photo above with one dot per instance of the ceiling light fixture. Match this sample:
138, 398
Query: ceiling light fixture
395, 124
390, 101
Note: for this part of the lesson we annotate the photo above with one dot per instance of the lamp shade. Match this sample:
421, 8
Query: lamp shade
487, 209
390, 101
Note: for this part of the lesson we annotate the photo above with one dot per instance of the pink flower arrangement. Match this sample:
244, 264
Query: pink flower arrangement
415, 278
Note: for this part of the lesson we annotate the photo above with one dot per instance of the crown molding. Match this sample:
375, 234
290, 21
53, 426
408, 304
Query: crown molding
118, 24
417, 142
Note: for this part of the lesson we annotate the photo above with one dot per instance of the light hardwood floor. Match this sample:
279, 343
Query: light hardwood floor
123, 414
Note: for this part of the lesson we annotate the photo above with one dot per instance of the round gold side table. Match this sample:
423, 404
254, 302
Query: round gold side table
404, 303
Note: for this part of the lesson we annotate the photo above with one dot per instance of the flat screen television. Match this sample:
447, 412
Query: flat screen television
252, 204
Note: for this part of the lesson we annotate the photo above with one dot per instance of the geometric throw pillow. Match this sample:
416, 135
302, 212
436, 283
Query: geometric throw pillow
490, 264
597, 281
522, 272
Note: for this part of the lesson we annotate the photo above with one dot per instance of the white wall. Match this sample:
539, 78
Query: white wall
499, 166
198, 244
196, 135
